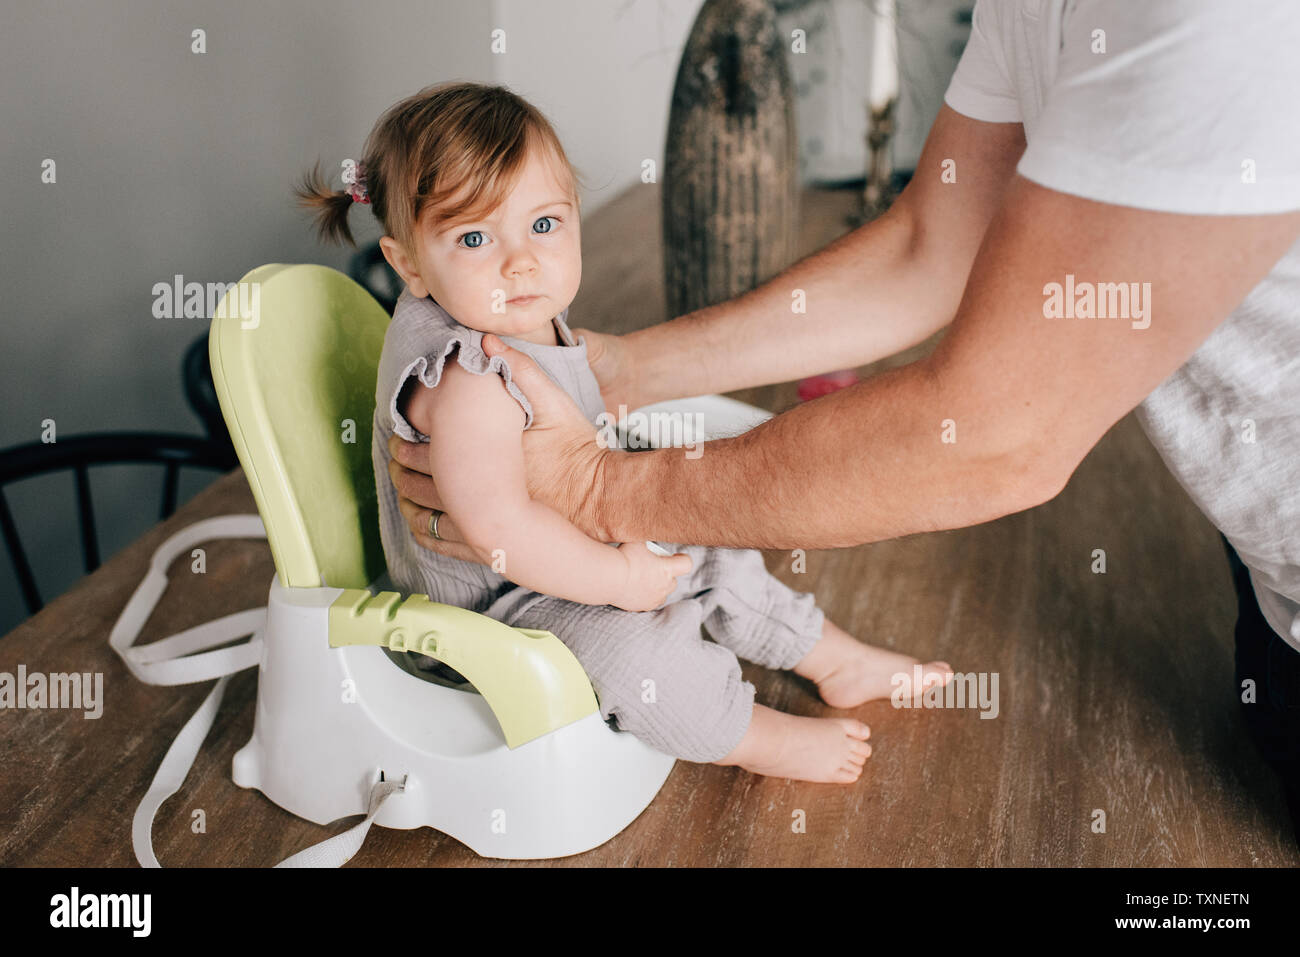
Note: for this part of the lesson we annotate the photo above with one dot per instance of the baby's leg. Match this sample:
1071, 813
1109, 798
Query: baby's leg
656, 677
653, 673
765, 621
749, 610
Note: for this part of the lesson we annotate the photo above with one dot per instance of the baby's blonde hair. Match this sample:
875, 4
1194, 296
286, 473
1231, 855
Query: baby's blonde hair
427, 147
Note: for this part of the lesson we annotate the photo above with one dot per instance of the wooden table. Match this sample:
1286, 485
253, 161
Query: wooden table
1116, 690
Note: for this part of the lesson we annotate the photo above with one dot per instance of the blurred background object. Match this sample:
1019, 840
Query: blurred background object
730, 196
833, 82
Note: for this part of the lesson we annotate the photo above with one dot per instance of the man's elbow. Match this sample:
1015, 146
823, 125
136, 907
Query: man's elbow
1045, 482
1026, 478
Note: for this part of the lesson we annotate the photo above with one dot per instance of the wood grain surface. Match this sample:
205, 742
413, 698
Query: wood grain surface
1115, 691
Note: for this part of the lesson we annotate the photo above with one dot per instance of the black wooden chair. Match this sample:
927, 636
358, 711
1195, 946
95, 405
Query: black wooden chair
201, 394
173, 451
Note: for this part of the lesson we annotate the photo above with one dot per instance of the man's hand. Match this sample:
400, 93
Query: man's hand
561, 454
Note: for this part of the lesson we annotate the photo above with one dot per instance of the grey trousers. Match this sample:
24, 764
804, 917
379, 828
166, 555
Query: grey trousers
653, 673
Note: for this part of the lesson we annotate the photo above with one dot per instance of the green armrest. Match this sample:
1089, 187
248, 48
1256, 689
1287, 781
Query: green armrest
528, 677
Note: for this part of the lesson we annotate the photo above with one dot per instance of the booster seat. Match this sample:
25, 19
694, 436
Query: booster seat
515, 764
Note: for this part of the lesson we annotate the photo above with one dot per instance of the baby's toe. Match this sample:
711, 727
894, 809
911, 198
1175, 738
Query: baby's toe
847, 774
855, 728
940, 669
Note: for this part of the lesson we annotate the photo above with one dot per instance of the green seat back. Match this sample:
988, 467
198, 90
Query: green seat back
295, 373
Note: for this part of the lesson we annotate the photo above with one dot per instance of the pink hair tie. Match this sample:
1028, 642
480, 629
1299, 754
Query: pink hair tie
354, 177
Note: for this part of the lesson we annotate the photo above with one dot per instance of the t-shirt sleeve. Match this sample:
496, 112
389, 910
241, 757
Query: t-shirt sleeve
1191, 108
467, 349
981, 88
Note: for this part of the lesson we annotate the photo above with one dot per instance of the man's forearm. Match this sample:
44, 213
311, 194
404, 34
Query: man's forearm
861, 465
882, 288
869, 292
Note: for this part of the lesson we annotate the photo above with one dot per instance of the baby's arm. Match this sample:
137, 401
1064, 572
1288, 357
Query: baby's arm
476, 455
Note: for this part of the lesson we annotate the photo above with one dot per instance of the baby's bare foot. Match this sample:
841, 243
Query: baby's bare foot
848, 673
827, 750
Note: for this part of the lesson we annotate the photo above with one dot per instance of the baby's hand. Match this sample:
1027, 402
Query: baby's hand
650, 578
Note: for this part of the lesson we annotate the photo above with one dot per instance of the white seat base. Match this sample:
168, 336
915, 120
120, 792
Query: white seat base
330, 720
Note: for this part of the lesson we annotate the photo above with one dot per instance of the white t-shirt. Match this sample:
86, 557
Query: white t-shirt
1186, 106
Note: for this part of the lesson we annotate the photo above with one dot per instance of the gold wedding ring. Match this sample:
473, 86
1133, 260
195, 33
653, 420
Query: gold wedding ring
433, 523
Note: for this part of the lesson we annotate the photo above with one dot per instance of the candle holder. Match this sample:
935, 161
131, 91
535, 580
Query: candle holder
878, 192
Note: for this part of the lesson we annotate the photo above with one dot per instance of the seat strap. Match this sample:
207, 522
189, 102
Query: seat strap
195, 655
338, 850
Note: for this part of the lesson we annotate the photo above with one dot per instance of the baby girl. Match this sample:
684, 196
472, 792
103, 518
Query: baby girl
480, 208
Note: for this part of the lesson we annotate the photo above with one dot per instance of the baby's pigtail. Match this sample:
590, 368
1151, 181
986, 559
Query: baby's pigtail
331, 206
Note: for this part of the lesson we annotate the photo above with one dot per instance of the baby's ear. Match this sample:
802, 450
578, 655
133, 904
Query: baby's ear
402, 265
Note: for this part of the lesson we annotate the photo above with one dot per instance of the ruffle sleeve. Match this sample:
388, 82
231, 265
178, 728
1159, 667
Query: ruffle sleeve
427, 368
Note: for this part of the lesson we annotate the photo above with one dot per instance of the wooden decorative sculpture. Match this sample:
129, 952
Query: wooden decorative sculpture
730, 179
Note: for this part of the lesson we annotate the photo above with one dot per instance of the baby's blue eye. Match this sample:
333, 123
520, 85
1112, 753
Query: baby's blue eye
542, 220
473, 245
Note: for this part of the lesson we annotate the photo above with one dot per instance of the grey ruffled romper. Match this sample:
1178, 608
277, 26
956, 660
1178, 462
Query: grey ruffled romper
653, 673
